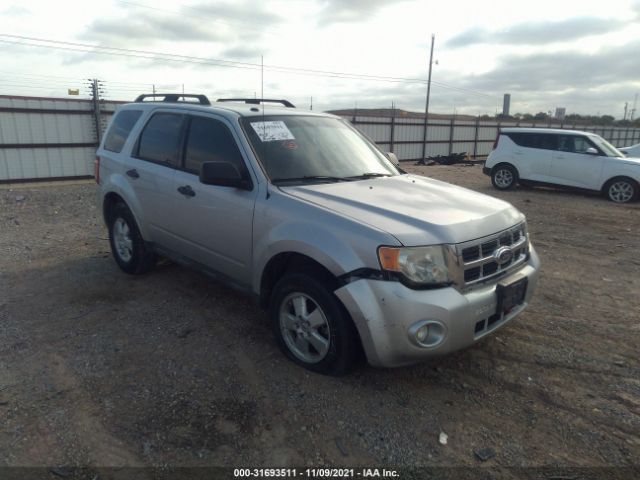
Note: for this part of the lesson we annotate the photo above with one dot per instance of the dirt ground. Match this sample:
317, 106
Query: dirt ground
98, 368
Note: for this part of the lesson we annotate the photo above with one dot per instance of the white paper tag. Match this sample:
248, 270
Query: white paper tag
272, 131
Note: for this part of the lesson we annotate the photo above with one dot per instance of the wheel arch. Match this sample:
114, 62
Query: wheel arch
290, 261
111, 199
503, 163
633, 181
120, 190
295, 262
607, 182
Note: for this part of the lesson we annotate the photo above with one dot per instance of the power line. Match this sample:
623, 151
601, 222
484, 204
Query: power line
151, 55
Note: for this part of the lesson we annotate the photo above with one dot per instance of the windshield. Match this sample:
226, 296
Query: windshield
606, 147
301, 149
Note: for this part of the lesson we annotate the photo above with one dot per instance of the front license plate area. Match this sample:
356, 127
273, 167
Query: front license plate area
511, 293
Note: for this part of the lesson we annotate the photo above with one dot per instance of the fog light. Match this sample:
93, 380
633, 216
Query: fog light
427, 333
422, 333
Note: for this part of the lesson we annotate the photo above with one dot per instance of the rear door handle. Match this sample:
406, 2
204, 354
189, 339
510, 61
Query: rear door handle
133, 173
187, 191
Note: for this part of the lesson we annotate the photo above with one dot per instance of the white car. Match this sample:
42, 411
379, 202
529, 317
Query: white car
632, 151
565, 158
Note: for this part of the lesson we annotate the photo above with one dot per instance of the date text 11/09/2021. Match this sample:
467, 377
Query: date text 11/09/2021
315, 473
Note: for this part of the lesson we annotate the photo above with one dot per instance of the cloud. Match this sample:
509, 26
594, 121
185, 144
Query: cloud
16, 11
347, 11
146, 27
537, 33
251, 13
585, 83
243, 52
224, 25
561, 70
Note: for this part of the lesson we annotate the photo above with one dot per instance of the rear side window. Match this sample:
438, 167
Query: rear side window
160, 139
120, 129
210, 141
543, 141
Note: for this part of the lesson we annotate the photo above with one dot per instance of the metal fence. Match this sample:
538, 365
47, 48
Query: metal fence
403, 136
50, 138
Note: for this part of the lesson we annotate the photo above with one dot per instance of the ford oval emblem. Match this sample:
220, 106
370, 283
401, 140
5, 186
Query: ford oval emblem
503, 255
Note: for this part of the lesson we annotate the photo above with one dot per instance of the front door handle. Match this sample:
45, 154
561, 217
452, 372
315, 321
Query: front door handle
187, 191
133, 173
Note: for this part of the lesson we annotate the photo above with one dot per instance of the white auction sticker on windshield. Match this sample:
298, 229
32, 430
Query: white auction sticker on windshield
272, 131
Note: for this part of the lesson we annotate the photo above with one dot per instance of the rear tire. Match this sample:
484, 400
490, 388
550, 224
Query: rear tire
504, 177
129, 249
621, 190
311, 325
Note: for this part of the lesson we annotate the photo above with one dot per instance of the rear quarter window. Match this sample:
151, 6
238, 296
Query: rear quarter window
543, 141
120, 129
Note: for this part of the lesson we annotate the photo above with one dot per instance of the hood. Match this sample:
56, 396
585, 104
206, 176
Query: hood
416, 210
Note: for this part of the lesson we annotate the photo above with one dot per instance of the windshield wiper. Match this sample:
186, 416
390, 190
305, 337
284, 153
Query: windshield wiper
310, 178
370, 175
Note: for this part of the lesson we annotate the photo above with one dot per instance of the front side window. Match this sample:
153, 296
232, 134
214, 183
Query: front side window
120, 129
210, 140
581, 144
160, 139
574, 144
308, 148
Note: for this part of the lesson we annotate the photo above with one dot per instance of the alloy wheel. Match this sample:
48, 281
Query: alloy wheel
304, 327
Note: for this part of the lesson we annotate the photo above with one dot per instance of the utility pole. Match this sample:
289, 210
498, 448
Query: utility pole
95, 90
633, 110
626, 105
311, 104
426, 107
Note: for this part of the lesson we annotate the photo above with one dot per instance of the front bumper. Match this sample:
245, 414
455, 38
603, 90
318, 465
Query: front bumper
384, 311
486, 171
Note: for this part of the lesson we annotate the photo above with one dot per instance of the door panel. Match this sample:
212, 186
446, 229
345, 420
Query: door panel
213, 224
533, 163
152, 186
532, 154
150, 172
571, 167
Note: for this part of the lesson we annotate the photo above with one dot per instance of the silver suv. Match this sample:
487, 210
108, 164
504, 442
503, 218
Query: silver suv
349, 254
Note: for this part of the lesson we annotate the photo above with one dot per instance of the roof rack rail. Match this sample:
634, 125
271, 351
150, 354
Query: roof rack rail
173, 97
257, 101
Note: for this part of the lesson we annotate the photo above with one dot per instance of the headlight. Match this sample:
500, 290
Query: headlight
421, 266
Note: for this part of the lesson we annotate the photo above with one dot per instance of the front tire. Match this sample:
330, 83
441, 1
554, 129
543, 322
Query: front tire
129, 249
311, 326
621, 190
504, 177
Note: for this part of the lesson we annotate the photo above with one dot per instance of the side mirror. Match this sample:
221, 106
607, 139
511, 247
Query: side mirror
592, 151
394, 159
224, 174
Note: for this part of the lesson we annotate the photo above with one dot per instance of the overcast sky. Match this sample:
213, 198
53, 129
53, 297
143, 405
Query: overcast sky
582, 55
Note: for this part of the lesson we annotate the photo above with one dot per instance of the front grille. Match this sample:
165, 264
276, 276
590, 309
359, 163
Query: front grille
477, 257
